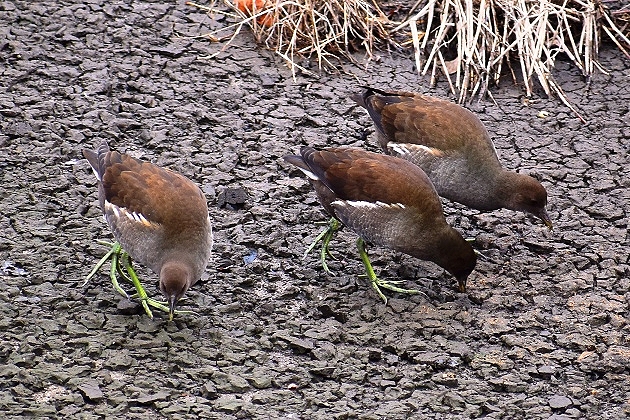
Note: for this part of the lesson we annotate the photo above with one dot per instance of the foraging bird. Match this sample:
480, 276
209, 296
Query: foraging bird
158, 216
387, 201
454, 149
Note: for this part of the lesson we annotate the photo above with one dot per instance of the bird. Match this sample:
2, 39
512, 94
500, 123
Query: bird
158, 217
453, 148
386, 201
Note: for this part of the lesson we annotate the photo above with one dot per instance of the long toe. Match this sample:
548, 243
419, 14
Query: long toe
389, 286
376, 287
325, 237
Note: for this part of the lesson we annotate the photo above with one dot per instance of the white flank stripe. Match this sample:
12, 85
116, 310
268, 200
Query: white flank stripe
133, 216
309, 174
368, 204
137, 217
398, 148
96, 174
143, 219
406, 149
114, 209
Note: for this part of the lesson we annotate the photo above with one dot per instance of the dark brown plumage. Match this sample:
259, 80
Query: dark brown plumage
454, 149
159, 217
387, 201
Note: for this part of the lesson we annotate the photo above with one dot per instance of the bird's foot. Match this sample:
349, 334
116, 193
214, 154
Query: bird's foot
113, 254
378, 283
162, 306
375, 281
141, 294
114, 251
325, 237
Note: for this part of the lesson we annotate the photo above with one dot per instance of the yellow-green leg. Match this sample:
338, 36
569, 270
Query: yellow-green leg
142, 294
374, 280
325, 237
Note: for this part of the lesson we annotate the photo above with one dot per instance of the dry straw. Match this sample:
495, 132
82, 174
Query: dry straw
469, 42
324, 30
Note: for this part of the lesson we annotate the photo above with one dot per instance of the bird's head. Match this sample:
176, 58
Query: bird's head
530, 196
175, 279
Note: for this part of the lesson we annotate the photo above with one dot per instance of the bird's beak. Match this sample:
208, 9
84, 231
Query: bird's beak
545, 218
171, 307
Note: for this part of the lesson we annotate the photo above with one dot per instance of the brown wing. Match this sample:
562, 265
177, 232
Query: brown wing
159, 194
358, 175
411, 118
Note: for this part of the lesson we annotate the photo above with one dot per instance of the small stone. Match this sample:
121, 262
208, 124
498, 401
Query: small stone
616, 358
325, 371
9, 370
127, 307
229, 404
119, 362
398, 305
171, 51
385, 384
148, 399
93, 320
445, 378
302, 346
573, 413
148, 325
260, 398
430, 358
239, 384
268, 80
91, 391
229, 382
391, 409
209, 391
233, 198
546, 370
559, 401
260, 382
496, 326
453, 400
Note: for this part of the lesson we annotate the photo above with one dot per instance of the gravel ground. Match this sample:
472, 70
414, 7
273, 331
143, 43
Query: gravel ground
542, 333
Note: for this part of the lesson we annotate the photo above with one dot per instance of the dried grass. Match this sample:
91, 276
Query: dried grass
621, 17
324, 30
472, 43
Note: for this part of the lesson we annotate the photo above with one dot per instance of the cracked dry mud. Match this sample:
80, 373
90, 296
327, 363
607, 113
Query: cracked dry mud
542, 333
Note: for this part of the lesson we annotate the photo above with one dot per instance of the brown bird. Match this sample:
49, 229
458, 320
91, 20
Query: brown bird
454, 149
387, 201
159, 217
